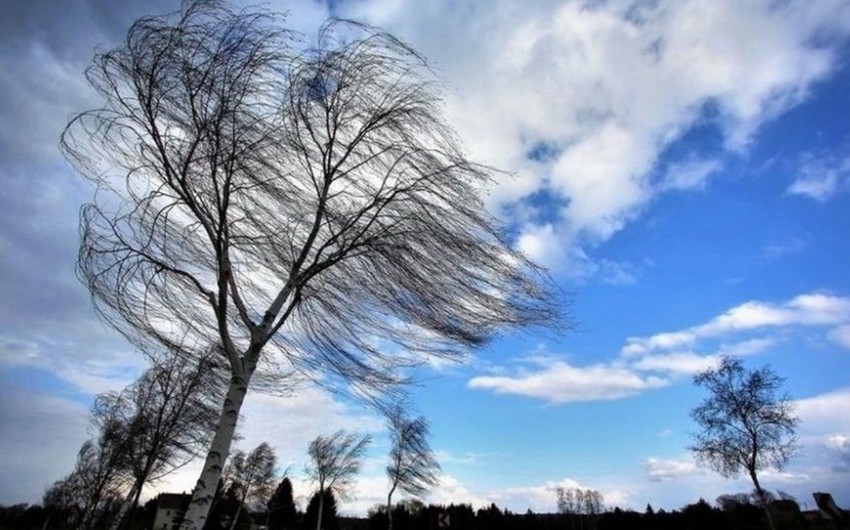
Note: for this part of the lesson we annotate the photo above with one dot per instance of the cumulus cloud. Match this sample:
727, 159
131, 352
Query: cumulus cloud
648, 363
608, 87
812, 309
561, 382
826, 414
662, 469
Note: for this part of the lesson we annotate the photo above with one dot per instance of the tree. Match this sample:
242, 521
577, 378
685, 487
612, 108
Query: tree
575, 502
252, 476
321, 510
224, 506
169, 414
282, 511
747, 422
100, 473
306, 212
412, 468
334, 461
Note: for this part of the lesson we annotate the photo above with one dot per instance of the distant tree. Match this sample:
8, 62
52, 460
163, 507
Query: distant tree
294, 208
579, 504
747, 423
252, 476
169, 414
334, 461
89, 492
730, 502
283, 514
701, 516
579, 501
412, 468
321, 511
64, 502
224, 506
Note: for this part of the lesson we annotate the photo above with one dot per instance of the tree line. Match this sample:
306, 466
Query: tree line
738, 511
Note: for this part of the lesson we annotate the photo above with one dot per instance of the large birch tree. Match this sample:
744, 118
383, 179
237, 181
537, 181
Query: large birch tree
307, 210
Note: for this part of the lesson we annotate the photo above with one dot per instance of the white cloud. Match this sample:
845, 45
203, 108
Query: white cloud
841, 335
541, 244
826, 414
662, 469
647, 363
821, 177
813, 309
677, 363
689, 174
609, 88
559, 382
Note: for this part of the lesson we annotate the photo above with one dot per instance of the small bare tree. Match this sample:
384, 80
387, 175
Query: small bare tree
309, 212
253, 476
412, 468
170, 413
89, 492
334, 461
747, 423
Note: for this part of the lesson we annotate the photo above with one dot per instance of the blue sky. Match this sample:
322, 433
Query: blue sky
682, 167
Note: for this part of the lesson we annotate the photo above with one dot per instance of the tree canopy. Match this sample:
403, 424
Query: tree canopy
300, 210
747, 422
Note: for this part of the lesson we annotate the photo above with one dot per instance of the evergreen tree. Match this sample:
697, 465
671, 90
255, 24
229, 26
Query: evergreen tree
283, 515
329, 516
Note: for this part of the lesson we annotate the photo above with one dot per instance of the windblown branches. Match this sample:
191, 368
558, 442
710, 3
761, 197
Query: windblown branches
412, 468
257, 190
747, 422
336, 459
309, 212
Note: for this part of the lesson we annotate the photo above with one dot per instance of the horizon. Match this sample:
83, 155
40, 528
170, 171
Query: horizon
680, 167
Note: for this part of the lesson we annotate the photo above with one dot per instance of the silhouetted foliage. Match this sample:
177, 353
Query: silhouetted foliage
412, 468
251, 477
326, 503
283, 514
168, 416
334, 461
415, 516
747, 423
224, 506
90, 494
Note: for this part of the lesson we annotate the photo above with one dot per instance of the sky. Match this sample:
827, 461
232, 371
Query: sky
681, 167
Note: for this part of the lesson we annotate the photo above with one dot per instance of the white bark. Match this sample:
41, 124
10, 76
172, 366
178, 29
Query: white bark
204, 492
129, 502
390, 508
321, 509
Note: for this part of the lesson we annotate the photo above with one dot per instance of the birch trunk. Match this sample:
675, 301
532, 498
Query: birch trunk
129, 502
390, 508
762, 497
321, 509
204, 492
